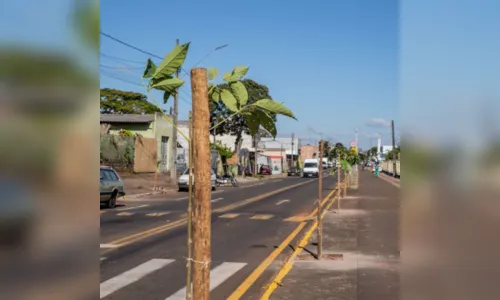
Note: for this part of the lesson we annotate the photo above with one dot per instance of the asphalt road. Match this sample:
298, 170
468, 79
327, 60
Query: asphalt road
143, 244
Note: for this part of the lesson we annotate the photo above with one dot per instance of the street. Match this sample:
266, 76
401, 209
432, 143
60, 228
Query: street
143, 243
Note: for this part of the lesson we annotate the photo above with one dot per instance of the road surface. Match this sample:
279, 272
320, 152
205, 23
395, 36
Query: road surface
143, 243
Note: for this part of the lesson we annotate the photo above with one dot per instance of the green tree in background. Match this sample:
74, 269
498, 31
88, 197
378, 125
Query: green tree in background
237, 125
122, 102
338, 149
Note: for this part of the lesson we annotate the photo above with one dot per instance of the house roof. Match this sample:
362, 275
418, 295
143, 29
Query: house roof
125, 118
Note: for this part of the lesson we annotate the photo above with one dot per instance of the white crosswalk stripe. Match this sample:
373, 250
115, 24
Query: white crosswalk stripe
114, 284
217, 276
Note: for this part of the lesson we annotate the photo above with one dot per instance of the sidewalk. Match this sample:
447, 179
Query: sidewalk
366, 234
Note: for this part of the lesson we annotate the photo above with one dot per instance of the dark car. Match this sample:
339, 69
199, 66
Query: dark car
265, 170
293, 172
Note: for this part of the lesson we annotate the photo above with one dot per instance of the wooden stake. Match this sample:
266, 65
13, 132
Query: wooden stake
189, 263
346, 182
320, 198
202, 195
339, 191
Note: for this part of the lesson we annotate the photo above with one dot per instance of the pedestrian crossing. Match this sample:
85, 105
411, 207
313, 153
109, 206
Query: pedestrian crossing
219, 274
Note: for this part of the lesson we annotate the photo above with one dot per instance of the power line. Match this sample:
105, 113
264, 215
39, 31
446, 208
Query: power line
137, 48
110, 75
120, 68
121, 59
130, 46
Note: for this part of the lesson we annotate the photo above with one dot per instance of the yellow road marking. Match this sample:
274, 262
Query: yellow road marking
182, 221
229, 216
157, 214
257, 198
298, 219
250, 280
276, 281
102, 211
245, 285
261, 217
124, 214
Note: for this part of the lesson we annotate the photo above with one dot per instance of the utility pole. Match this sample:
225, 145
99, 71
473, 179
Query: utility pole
202, 209
393, 149
281, 154
292, 164
320, 198
339, 191
173, 147
256, 144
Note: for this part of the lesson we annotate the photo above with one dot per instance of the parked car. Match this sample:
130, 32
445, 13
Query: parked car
183, 182
265, 170
293, 171
112, 186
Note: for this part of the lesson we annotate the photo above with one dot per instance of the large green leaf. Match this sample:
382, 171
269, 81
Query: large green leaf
240, 92
213, 92
150, 69
252, 123
172, 62
212, 73
237, 73
275, 107
266, 121
169, 85
166, 95
345, 166
229, 100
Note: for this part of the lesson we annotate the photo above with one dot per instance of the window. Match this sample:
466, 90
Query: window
310, 165
109, 175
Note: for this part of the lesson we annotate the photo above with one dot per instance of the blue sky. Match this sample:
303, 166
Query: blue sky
333, 63
337, 64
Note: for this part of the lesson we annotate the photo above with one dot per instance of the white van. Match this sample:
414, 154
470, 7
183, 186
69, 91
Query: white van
311, 168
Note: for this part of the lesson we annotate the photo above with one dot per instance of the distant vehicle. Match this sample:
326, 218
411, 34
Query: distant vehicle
311, 168
225, 180
330, 164
293, 171
325, 162
265, 169
183, 182
112, 186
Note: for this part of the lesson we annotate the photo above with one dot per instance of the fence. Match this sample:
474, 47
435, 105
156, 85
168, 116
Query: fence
388, 167
117, 151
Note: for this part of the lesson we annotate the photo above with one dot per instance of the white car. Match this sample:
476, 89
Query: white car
311, 168
183, 181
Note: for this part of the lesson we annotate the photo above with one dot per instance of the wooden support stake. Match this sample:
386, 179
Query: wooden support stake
320, 198
202, 195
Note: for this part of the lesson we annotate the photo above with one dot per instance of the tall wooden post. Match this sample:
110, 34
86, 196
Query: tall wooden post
320, 198
202, 195
339, 188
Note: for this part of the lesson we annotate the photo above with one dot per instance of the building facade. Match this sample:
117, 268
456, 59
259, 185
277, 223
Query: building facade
157, 126
308, 151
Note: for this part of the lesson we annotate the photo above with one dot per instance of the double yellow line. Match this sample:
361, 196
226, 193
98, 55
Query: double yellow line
288, 263
127, 240
250, 280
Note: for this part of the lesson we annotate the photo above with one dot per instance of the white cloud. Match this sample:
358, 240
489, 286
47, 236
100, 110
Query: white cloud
378, 122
